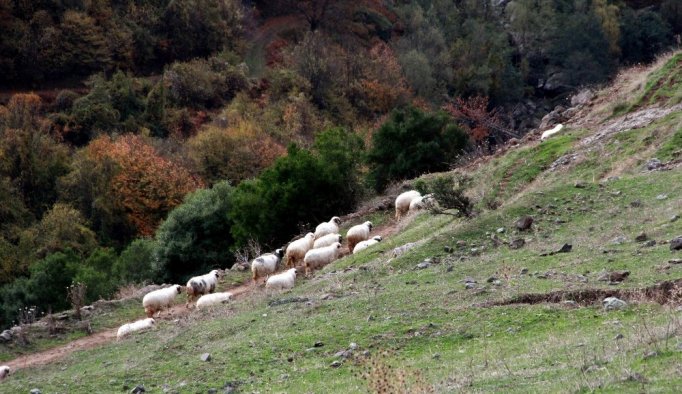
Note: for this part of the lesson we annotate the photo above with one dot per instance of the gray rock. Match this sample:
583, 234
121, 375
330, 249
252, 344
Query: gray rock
212, 391
6, 336
318, 344
616, 193
619, 336
650, 243
353, 346
581, 98
497, 282
491, 279
335, 364
518, 243
402, 249
580, 185
676, 243
613, 303
524, 223
206, 357
661, 196
653, 164
500, 230
342, 353
674, 218
423, 265
35, 391
619, 240
636, 204
641, 237
470, 285
523, 271
582, 278
138, 389
469, 279
448, 249
675, 261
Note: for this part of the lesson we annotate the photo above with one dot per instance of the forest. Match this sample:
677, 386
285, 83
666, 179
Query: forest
146, 141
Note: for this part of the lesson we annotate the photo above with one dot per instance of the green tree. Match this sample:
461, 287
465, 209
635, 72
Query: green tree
49, 278
96, 273
412, 143
136, 262
644, 34
196, 235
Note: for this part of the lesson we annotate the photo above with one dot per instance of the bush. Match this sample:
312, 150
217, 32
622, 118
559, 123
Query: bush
412, 143
299, 190
448, 190
136, 262
644, 34
96, 274
49, 279
14, 296
204, 83
196, 235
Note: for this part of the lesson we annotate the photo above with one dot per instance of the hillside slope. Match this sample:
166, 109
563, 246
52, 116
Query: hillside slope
527, 321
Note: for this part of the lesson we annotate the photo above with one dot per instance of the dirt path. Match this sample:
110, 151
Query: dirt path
103, 337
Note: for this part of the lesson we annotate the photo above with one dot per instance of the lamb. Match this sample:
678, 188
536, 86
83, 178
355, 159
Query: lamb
318, 258
285, 280
548, 133
402, 202
420, 202
330, 227
358, 233
266, 264
208, 300
327, 240
366, 244
139, 325
4, 371
297, 249
200, 285
156, 300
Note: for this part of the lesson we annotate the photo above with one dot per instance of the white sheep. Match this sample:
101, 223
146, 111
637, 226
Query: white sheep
318, 258
548, 133
327, 240
366, 244
420, 202
266, 264
285, 280
139, 325
330, 227
297, 249
402, 202
156, 300
358, 233
4, 371
200, 285
213, 299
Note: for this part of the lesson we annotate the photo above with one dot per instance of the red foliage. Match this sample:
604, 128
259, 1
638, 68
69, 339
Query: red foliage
148, 185
474, 116
274, 52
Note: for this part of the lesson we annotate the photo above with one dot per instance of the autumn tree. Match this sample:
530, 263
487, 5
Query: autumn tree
147, 185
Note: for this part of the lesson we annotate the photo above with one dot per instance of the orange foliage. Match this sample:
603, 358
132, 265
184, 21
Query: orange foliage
23, 110
148, 185
384, 87
474, 116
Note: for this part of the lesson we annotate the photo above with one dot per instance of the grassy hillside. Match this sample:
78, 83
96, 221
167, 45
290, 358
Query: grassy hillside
530, 323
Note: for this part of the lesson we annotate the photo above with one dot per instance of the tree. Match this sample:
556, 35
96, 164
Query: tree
196, 235
411, 143
147, 185
137, 262
644, 34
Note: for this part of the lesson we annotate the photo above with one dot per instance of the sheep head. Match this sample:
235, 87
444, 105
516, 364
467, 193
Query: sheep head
336, 220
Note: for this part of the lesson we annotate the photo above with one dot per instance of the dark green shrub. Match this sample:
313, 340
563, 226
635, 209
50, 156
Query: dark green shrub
204, 83
448, 191
65, 99
412, 143
644, 34
196, 235
136, 262
49, 279
96, 274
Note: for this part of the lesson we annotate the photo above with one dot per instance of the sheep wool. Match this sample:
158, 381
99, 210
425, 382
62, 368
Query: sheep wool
330, 227
548, 133
297, 249
318, 258
327, 240
156, 300
285, 280
266, 264
200, 285
358, 233
4, 371
139, 325
402, 202
208, 300
366, 244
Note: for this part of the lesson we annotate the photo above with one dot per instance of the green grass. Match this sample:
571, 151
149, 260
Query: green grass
429, 324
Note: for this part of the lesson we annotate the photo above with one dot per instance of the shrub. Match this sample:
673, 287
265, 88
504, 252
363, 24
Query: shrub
448, 190
644, 34
196, 234
49, 279
411, 143
136, 262
96, 274
65, 99
204, 83
300, 189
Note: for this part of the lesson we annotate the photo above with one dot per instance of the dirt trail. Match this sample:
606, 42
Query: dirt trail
103, 337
